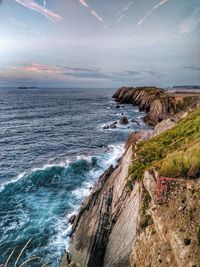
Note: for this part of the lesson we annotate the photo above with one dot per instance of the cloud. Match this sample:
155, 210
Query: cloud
94, 13
193, 68
36, 67
151, 11
59, 72
79, 69
32, 5
149, 72
129, 72
190, 22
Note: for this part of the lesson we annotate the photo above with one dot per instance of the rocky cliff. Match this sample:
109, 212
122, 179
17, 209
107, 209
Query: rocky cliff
156, 102
124, 222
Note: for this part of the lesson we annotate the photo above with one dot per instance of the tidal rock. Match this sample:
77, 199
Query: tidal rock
113, 125
106, 127
123, 120
135, 121
72, 219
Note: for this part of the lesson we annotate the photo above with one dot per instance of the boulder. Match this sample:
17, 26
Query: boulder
113, 125
123, 120
106, 127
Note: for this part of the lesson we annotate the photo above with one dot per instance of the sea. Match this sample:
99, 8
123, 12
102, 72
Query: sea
53, 148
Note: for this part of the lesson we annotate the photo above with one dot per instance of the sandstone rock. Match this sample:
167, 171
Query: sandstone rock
163, 126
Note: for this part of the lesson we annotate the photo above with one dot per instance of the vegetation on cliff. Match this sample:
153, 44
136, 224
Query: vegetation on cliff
175, 152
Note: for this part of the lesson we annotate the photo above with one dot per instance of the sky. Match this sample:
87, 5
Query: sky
99, 43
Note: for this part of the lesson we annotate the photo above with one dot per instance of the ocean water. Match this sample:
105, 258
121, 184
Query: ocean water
52, 150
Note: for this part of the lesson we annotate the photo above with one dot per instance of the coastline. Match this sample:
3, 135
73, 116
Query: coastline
100, 234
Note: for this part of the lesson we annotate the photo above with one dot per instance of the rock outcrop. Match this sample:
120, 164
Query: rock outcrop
154, 101
123, 120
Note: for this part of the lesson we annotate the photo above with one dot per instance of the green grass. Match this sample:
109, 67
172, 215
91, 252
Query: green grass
180, 138
182, 163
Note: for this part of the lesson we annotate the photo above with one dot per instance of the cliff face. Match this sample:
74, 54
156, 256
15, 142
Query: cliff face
157, 103
171, 239
154, 101
106, 227
122, 224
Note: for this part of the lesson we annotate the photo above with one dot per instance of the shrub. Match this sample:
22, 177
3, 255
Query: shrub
129, 186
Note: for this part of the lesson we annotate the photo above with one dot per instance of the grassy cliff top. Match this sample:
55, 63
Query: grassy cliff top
175, 152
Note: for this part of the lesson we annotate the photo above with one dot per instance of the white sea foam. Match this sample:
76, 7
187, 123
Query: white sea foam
104, 160
3, 185
61, 240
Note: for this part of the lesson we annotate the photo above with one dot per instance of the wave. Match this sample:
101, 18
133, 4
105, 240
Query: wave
40, 202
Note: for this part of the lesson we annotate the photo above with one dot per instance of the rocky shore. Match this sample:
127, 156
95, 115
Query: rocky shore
122, 223
156, 102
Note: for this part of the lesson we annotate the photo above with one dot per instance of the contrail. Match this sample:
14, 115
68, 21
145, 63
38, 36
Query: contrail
120, 18
83, 3
121, 14
31, 4
151, 11
94, 13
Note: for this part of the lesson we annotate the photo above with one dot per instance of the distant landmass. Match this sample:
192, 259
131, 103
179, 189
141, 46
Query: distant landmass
25, 87
187, 87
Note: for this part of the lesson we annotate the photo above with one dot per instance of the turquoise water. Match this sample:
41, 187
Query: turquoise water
53, 149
